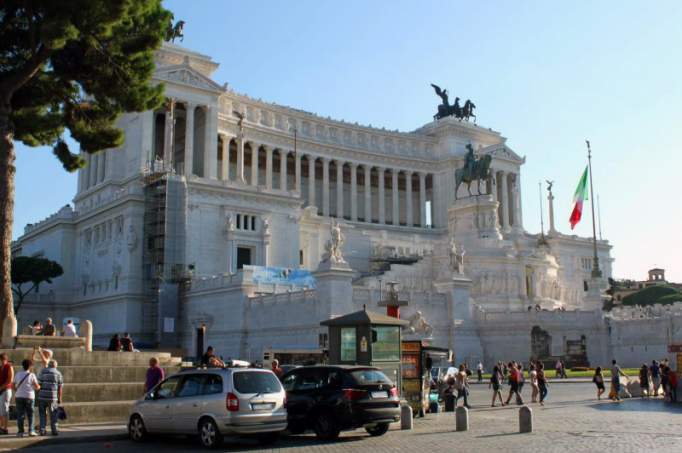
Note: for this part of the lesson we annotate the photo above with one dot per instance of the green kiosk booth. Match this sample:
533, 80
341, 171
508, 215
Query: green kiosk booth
367, 338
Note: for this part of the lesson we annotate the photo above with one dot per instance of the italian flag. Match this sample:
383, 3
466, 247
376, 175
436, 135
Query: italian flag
579, 196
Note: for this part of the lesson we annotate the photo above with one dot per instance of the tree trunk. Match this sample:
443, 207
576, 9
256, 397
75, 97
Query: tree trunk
7, 171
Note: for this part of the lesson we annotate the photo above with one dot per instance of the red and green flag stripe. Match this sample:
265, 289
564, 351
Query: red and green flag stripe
579, 197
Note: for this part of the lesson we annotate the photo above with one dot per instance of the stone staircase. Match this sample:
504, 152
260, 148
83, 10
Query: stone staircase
100, 386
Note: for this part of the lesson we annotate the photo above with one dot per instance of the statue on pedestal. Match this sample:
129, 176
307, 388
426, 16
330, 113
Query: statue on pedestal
419, 325
334, 244
457, 257
473, 170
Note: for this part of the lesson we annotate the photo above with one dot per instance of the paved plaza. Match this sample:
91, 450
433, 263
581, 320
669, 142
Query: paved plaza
572, 420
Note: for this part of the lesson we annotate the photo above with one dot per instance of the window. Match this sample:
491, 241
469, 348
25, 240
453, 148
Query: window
364, 377
386, 345
167, 388
243, 257
348, 344
289, 382
256, 382
213, 383
191, 386
311, 379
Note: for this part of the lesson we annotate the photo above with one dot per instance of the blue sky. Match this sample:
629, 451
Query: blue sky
547, 75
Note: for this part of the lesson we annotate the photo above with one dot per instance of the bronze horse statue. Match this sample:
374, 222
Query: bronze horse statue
445, 109
175, 31
481, 171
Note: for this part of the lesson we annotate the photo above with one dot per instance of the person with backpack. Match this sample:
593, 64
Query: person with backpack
49, 396
25, 386
495, 383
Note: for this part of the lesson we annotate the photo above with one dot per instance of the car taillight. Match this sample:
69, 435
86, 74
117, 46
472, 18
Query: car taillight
353, 394
393, 392
232, 402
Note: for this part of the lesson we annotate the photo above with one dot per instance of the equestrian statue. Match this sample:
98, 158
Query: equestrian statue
175, 31
445, 109
473, 170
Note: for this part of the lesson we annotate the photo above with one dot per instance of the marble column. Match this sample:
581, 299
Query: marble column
211, 142
168, 135
93, 169
395, 208
225, 170
86, 171
368, 193
408, 199
268, 167
254, 164
339, 189
240, 161
422, 199
505, 202
382, 197
101, 165
311, 180
283, 169
189, 139
325, 186
297, 172
516, 202
81, 175
353, 192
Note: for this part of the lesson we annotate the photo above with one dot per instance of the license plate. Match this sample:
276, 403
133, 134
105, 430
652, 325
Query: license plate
262, 406
379, 394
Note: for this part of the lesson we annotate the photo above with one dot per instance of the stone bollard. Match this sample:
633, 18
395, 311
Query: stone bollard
462, 419
9, 331
525, 420
405, 416
86, 333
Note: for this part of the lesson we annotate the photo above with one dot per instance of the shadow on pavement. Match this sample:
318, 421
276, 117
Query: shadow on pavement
639, 404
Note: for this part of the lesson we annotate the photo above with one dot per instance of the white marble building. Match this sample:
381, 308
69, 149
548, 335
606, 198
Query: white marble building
161, 229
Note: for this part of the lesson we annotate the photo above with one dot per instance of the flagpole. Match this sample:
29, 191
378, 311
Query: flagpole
596, 272
599, 215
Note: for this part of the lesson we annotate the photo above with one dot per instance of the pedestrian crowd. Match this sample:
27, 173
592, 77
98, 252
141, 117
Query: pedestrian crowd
33, 387
50, 330
121, 344
653, 379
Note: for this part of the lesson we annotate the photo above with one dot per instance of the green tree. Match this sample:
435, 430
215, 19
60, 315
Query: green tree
33, 270
76, 65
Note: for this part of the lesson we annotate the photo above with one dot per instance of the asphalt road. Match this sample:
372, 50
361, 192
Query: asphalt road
571, 420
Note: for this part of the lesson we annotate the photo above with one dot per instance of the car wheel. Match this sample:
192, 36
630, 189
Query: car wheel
136, 429
268, 438
209, 435
377, 430
326, 428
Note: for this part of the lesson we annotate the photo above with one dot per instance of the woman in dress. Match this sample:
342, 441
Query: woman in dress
533, 375
598, 380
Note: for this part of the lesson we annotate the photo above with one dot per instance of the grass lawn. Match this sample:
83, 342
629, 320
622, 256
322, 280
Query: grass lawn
551, 374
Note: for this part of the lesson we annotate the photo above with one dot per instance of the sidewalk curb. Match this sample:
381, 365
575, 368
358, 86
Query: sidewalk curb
16, 443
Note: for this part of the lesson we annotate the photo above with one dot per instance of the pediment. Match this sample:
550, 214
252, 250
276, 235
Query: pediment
503, 152
188, 76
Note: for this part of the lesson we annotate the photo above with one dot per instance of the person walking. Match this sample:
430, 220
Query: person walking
542, 383
462, 385
533, 375
495, 382
616, 373
644, 380
655, 377
25, 386
49, 396
672, 382
598, 380
514, 378
6, 379
479, 371
154, 375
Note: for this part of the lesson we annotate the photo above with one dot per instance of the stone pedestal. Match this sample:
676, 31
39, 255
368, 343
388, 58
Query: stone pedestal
334, 287
463, 339
593, 298
474, 218
525, 420
462, 419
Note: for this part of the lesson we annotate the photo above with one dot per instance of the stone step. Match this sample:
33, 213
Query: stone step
107, 373
78, 357
97, 412
102, 392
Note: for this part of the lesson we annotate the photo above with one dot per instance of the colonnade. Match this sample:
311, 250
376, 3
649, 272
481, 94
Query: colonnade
95, 171
354, 191
507, 192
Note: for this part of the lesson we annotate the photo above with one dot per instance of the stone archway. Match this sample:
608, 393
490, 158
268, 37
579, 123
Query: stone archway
540, 342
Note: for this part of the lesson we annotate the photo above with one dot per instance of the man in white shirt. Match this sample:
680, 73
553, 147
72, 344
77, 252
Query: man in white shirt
69, 329
25, 386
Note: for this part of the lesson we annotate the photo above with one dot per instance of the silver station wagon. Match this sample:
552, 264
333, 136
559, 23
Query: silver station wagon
213, 403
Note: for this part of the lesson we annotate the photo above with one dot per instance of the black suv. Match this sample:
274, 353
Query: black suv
329, 399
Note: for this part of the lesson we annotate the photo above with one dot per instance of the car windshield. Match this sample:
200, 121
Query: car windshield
363, 377
256, 382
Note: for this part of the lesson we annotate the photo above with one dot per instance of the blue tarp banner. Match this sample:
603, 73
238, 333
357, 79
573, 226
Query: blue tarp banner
283, 276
